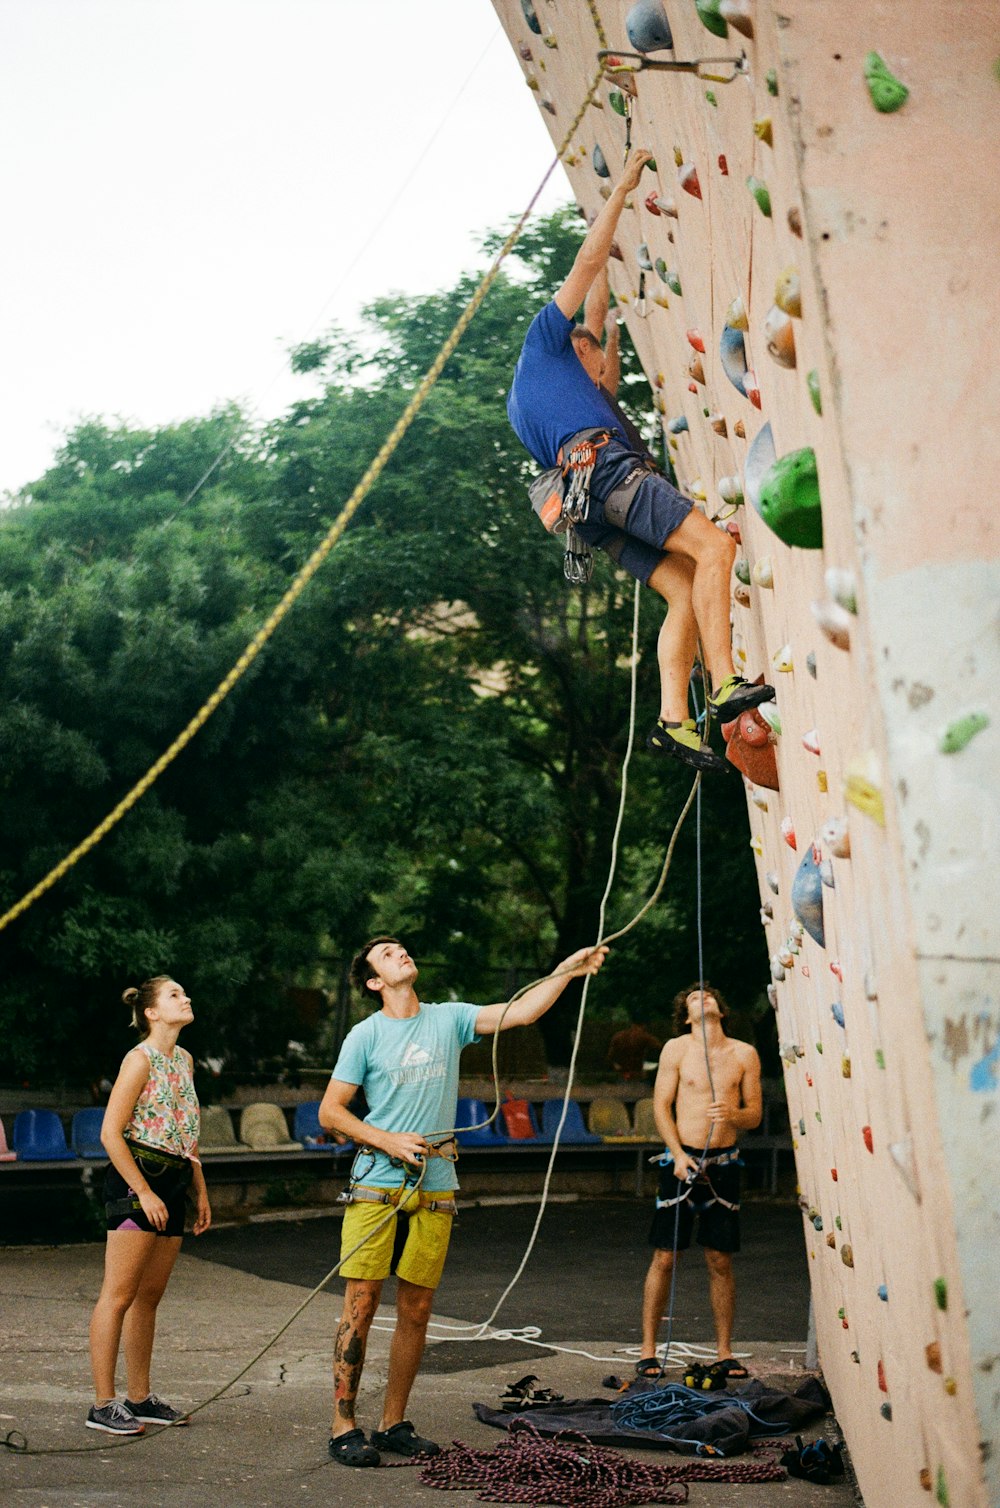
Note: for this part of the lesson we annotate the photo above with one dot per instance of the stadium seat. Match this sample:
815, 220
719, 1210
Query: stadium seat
645, 1121
6, 1155
264, 1129
85, 1133
39, 1137
574, 1132
309, 1131
519, 1121
609, 1119
217, 1134
471, 1112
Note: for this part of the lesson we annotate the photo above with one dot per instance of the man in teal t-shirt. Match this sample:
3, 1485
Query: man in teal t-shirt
405, 1059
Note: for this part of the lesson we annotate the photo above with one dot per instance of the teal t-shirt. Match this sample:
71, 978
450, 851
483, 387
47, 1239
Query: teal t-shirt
409, 1072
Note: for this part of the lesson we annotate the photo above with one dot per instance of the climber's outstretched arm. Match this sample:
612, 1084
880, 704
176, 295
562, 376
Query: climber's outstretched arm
593, 254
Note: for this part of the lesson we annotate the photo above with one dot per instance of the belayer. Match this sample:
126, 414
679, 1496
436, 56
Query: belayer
600, 490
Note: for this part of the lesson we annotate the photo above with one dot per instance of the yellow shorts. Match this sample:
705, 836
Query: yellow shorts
422, 1260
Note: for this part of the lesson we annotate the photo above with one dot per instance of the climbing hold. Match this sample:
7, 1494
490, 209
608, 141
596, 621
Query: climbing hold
739, 429
777, 970
717, 422
794, 218
710, 97
528, 10
941, 1489
547, 103
672, 281
888, 92
772, 996
837, 1012
835, 622
847, 1254
771, 716
826, 874
779, 334
782, 659
883, 1293
550, 40
687, 177
962, 731
757, 847
760, 459
886, 1410
788, 831
760, 802
841, 585
600, 166
648, 28
871, 989
736, 315
751, 389
831, 1242
696, 369
925, 1479
532, 83
642, 257
696, 339
762, 130
836, 837
941, 1293
819, 1048
812, 383
788, 292
807, 897
789, 500
679, 425
741, 595
821, 784
733, 356
932, 1351
525, 52
759, 190
845, 1067
950, 1386
817, 1221
863, 785
811, 663
880, 1373
723, 164
805, 971
786, 957
750, 747
836, 1219
771, 80
810, 741
836, 969
762, 574
708, 15
616, 100
742, 570
771, 880
866, 1136
833, 1171
730, 489
739, 15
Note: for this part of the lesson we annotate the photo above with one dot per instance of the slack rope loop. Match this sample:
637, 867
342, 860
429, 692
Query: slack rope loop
315, 561
569, 1470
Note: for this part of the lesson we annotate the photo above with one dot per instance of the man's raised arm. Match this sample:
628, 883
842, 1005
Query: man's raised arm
593, 254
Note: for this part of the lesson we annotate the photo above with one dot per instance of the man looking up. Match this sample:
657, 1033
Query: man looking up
707, 1091
635, 515
405, 1059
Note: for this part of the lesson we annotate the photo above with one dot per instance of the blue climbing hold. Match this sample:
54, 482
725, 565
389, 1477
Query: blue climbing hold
679, 425
647, 27
837, 1011
883, 1293
529, 15
733, 356
600, 165
760, 458
807, 897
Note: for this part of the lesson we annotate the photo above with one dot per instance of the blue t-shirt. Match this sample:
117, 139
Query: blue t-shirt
408, 1070
551, 397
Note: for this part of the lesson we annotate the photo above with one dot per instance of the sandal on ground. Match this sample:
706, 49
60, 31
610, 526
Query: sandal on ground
352, 1449
524, 1395
681, 741
730, 1368
648, 1366
403, 1440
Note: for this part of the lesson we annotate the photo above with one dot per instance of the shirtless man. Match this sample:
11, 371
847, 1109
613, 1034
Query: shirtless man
701, 1130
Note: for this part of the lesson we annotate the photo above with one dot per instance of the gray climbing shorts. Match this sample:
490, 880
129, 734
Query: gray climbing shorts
641, 512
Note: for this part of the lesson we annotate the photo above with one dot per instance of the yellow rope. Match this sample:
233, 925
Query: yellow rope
311, 566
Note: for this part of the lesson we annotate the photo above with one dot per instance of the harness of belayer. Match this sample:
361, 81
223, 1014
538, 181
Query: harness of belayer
358, 1192
700, 1175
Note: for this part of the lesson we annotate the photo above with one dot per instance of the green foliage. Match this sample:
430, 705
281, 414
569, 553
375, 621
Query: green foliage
431, 743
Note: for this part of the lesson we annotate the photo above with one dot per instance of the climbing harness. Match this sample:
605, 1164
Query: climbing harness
700, 1176
357, 1193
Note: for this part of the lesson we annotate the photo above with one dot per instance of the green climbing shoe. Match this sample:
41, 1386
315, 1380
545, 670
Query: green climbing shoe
736, 696
682, 742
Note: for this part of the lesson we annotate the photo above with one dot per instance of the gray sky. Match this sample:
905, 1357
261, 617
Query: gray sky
186, 184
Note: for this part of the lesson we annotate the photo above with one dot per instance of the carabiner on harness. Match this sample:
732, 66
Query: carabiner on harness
578, 561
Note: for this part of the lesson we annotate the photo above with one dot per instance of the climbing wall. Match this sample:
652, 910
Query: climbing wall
809, 276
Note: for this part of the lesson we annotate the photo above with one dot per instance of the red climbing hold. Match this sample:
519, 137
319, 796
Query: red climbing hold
788, 831
750, 747
651, 204
866, 1137
723, 165
687, 175
696, 339
883, 1387
836, 969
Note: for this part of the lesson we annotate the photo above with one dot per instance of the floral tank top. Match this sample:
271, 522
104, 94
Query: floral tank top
166, 1114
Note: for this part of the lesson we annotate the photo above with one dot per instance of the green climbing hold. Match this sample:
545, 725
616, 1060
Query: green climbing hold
941, 1293
879, 1058
710, 17
962, 731
617, 102
742, 570
759, 189
941, 1491
812, 383
888, 92
771, 80
710, 96
673, 281
789, 500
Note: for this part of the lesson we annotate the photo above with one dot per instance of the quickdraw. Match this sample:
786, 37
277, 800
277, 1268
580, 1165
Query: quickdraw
578, 467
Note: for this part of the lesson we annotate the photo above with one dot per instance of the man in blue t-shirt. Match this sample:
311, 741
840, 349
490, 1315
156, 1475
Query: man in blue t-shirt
635, 515
405, 1059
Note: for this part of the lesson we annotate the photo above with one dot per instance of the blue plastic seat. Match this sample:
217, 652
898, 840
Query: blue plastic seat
471, 1112
85, 1133
574, 1131
309, 1132
39, 1137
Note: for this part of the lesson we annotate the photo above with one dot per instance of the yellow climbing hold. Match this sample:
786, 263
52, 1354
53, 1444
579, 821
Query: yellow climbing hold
762, 130
863, 786
788, 292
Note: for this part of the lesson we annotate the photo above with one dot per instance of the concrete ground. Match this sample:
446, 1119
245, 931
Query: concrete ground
264, 1444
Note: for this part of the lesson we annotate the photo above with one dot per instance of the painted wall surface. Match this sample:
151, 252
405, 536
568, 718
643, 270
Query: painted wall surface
890, 1029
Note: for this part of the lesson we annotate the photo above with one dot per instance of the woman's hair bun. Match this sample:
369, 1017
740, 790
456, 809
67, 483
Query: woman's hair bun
130, 996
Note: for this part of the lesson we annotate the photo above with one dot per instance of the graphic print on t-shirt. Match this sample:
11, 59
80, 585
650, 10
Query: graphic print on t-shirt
417, 1066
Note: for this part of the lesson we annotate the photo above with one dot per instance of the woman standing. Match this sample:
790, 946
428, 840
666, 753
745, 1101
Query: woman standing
150, 1134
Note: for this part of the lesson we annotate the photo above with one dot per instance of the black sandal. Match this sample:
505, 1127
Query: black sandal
524, 1395
648, 1366
352, 1449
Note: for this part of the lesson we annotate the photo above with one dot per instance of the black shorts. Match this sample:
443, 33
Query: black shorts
168, 1176
718, 1227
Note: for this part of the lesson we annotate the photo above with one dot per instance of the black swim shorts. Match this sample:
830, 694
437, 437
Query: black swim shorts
718, 1226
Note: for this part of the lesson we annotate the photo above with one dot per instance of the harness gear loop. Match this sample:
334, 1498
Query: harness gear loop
359, 1193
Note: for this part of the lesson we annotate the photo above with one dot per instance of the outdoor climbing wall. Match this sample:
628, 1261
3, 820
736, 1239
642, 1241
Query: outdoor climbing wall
863, 255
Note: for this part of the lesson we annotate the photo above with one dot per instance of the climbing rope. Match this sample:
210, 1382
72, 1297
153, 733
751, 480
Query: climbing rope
315, 561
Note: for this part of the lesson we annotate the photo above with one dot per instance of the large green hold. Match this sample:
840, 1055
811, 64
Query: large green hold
789, 500
886, 90
708, 14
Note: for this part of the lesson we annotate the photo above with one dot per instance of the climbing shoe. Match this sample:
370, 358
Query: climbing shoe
682, 742
815, 1462
736, 696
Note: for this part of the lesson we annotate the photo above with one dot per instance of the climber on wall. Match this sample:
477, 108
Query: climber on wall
556, 406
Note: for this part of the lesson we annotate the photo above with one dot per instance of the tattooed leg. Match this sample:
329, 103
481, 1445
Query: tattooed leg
361, 1301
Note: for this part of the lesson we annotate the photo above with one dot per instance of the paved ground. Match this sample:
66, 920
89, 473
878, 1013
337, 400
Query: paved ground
263, 1446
